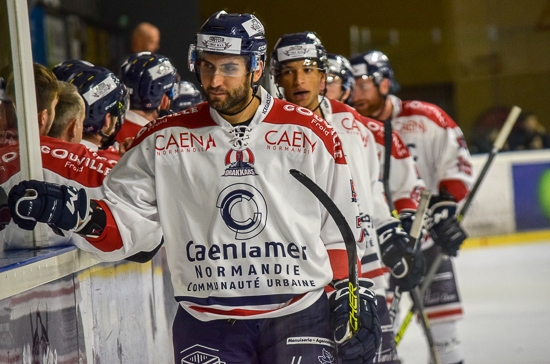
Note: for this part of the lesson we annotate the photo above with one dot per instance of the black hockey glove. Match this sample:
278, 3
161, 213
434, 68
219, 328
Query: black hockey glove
60, 206
362, 347
406, 217
443, 226
407, 266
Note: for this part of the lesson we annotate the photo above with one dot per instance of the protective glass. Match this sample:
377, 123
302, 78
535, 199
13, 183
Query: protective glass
228, 69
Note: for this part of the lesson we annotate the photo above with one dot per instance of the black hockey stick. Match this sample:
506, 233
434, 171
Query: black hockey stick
413, 243
416, 230
349, 240
415, 293
388, 143
497, 146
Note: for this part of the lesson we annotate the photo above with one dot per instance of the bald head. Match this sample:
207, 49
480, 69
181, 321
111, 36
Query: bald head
145, 37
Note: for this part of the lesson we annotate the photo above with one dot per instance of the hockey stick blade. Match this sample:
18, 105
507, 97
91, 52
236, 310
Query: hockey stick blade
349, 240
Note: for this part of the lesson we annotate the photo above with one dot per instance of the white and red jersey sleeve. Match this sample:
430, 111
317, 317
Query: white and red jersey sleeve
243, 237
404, 181
438, 145
362, 157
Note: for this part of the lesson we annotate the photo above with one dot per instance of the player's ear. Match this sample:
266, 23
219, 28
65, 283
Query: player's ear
258, 72
72, 128
43, 119
346, 95
164, 102
384, 86
108, 123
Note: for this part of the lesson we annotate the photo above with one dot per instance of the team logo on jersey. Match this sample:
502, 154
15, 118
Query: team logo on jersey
239, 163
243, 209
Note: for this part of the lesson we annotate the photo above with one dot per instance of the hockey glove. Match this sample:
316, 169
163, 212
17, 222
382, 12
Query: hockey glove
60, 206
406, 264
443, 225
407, 218
362, 347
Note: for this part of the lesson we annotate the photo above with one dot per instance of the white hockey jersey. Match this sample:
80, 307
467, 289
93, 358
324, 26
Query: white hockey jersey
361, 155
437, 144
244, 239
404, 181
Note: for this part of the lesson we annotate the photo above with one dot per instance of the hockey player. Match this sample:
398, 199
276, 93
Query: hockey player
62, 162
250, 250
70, 112
444, 163
340, 81
150, 80
187, 95
106, 101
299, 65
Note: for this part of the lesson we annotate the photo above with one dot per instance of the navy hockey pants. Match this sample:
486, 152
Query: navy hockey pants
301, 338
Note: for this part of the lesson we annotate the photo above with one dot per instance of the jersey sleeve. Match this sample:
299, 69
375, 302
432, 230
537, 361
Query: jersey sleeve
454, 169
405, 182
335, 179
129, 202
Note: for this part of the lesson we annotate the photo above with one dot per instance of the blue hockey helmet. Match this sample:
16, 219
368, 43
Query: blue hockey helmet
103, 93
297, 46
66, 70
374, 64
148, 76
230, 34
187, 95
339, 65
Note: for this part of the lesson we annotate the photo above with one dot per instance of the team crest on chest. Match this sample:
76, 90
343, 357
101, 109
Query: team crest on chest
239, 163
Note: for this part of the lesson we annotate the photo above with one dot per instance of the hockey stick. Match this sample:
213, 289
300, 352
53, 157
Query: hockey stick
416, 295
388, 142
349, 240
497, 146
415, 232
416, 229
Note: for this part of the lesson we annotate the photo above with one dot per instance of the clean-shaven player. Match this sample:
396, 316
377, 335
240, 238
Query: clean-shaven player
299, 64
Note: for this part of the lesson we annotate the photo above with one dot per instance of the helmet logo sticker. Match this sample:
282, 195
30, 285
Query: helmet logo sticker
219, 44
253, 26
297, 52
100, 90
359, 70
160, 70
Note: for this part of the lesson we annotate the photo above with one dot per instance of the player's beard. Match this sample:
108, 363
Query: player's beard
374, 107
235, 100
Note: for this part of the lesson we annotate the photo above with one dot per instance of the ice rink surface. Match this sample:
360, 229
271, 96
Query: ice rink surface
506, 295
